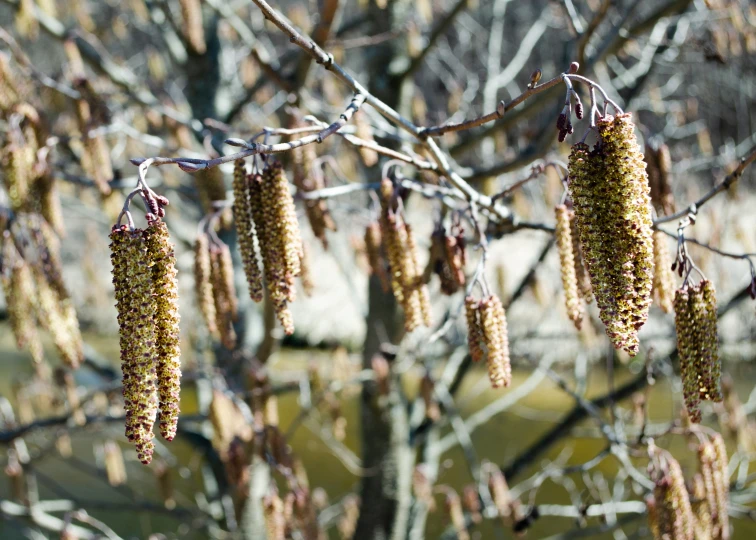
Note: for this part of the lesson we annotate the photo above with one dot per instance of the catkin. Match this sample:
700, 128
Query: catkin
245, 229
203, 285
373, 242
696, 327
135, 302
278, 233
493, 324
224, 294
194, 32
721, 486
474, 330
609, 189
664, 280
567, 266
673, 516
167, 318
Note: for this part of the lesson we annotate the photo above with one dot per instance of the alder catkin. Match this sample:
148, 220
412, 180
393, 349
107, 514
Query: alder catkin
224, 293
721, 480
664, 279
165, 283
711, 340
135, 302
246, 234
567, 266
494, 326
194, 32
474, 330
609, 188
373, 243
686, 344
203, 287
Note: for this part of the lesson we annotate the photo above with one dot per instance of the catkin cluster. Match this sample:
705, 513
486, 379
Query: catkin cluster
406, 275
487, 337
267, 225
696, 327
448, 258
307, 178
144, 277
568, 265
609, 189
35, 292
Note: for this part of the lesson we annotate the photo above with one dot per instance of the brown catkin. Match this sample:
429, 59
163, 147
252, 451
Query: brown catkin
609, 188
245, 229
706, 458
415, 282
273, 510
474, 329
676, 514
135, 303
203, 287
222, 289
373, 244
567, 266
700, 506
581, 270
193, 30
165, 285
664, 279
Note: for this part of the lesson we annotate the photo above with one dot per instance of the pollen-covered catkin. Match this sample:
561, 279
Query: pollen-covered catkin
132, 279
494, 325
167, 348
712, 340
674, 514
203, 287
278, 277
581, 269
474, 330
721, 480
686, 344
567, 266
221, 276
664, 279
415, 282
246, 234
609, 188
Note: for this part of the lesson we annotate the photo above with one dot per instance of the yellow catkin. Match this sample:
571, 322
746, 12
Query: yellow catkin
581, 268
245, 229
17, 175
674, 511
567, 266
664, 279
610, 192
494, 325
9, 93
279, 281
115, 468
273, 510
194, 32
165, 284
26, 21
203, 286
373, 242
306, 277
416, 282
224, 313
58, 316
474, 330
721, 481
135, 302
49, 204
700, 506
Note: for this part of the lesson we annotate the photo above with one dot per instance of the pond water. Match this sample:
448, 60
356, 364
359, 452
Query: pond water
507, 434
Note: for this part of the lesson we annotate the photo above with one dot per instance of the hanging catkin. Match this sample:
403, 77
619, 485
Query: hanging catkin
609, 188
664, 279
564, 242
165, 285
203, 287
246, 233
135, 303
